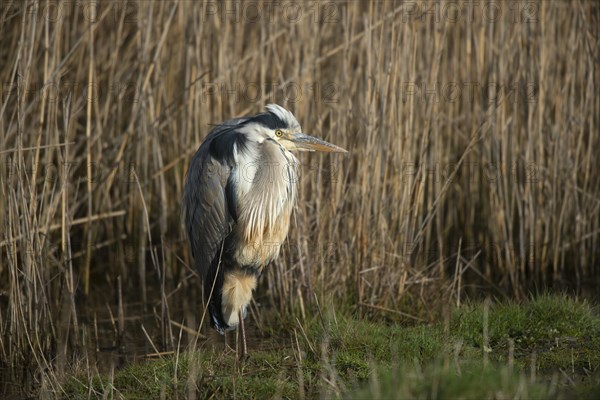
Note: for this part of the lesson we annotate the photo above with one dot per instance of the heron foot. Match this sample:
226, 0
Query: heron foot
244, 353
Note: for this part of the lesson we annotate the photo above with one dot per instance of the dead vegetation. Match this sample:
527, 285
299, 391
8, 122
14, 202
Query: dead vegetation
473, 139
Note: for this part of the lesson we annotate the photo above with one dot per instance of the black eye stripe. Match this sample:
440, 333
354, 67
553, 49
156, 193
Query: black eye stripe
269, 120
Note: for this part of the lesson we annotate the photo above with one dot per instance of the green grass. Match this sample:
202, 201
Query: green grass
554, 336
562, 332
438, 380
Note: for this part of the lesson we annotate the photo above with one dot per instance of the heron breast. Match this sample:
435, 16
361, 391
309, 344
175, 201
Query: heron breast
258, 247
266, 195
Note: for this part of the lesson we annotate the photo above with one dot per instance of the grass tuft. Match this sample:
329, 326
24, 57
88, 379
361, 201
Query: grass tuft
357, 358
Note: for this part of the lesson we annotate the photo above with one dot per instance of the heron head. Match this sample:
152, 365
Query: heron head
280, 125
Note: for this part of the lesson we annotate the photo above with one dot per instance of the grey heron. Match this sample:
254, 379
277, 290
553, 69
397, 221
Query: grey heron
238, 196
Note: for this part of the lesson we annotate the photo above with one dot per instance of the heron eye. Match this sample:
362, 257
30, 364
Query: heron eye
278, 133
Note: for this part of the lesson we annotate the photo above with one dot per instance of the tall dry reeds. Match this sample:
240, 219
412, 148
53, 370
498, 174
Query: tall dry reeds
473, 131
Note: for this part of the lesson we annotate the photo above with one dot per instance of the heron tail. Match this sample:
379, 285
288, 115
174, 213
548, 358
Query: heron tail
213, 289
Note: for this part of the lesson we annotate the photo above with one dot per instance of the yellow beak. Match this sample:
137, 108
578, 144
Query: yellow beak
311, 143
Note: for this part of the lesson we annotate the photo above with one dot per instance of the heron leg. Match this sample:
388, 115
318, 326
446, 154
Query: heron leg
226, 341
243, 332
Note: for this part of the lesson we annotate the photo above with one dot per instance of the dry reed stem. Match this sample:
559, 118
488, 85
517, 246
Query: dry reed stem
437, 162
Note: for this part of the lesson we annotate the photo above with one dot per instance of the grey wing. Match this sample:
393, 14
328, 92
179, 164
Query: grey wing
206, 212
209, 204
209, 198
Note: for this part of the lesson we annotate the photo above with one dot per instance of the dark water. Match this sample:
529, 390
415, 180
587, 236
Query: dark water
117, 330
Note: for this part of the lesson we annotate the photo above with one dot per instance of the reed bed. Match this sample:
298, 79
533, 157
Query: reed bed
472, 130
